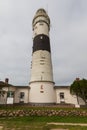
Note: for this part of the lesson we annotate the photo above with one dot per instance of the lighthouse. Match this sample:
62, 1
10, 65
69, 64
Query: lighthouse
41, 80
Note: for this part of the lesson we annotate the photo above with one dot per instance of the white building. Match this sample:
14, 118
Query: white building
10, 94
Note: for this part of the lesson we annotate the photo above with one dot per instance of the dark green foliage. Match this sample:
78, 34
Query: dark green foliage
79, 88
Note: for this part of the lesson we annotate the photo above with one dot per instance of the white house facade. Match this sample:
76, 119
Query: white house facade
10, 94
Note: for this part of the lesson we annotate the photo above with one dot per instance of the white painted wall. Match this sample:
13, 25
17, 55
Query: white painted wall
10, 100
40, 28
41, 68
3, 99
81, 102
71, 99
17, 95
49, 95
42, 92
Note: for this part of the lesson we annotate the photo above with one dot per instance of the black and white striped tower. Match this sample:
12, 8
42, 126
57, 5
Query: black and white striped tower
41, 82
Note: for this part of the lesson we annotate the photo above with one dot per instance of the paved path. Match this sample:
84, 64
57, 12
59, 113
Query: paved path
1, 127
74, 124
59, 129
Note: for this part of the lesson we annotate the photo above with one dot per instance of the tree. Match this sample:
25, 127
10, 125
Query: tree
79, 88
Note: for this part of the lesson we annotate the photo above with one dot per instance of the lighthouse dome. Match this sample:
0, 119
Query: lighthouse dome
43, 13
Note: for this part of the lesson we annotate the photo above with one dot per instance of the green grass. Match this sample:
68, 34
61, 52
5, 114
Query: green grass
49, 127
40, 123
45, 119
26, 107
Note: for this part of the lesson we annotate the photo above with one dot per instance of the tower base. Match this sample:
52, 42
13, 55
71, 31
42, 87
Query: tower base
42, 93
42, 104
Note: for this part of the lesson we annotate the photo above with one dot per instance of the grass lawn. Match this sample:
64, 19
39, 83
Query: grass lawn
40, 123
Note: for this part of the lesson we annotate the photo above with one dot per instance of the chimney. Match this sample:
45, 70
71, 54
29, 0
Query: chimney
6, 80
77, 79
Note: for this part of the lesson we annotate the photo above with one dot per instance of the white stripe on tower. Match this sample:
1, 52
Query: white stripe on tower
41, 82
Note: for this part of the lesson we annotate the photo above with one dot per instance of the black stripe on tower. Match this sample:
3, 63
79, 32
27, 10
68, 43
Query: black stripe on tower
41, 42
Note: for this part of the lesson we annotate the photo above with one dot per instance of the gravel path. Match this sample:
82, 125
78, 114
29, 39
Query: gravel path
59, 129
1, 127
74, 124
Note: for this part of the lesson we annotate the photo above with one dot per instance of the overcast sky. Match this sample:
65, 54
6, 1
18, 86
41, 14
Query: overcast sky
68, 38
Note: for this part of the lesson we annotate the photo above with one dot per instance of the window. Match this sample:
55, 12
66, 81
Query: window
41, 91
43, 57
41, 63
35, 34
41, 37
42, 60
62, 100
22, 94
61, 95
41, 23
10, 94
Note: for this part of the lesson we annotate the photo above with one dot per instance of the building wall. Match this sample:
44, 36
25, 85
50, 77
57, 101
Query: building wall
10, 97
68, 98
43, 92
3, 99
81, 102
41, 28
42, 60
41, 95
18, 99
